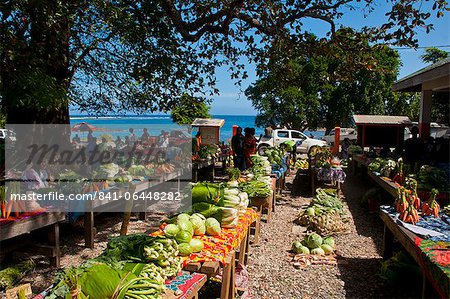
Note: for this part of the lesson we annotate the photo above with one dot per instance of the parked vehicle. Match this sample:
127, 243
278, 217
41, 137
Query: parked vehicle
4, 133
304, 143
349, 133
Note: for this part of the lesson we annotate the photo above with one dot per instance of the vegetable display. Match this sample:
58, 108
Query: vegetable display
133, 266
261, 165
431, 207
256, 188
325, 215
314, 244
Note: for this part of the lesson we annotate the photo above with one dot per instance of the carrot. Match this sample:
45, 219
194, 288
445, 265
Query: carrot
3, 207
9, 208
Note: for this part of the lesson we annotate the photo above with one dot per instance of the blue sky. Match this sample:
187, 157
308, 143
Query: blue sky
232, 99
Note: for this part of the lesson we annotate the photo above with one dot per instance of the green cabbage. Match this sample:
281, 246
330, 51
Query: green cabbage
186, 225
296, 245
183, 237
318, 251
196, 245
183, 217
327, 248
198, 215
171, 230
329, 241
199, 226
310, 211
212, 227
313, 240
184, 249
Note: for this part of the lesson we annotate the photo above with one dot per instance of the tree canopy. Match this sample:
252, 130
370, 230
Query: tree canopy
111, 56
188, 109
433, 55
319, 84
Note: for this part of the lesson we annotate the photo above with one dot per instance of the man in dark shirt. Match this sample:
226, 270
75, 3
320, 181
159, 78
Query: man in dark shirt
237, 144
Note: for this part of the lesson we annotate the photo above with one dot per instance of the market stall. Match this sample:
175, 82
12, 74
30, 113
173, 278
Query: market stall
432, 256
30, 222
325, 168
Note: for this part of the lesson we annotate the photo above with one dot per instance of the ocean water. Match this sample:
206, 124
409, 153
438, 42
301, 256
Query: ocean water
118, 126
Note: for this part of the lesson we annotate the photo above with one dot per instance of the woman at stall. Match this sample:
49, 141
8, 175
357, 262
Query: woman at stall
249, 146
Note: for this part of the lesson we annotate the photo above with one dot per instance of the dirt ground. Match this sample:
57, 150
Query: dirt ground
271, 272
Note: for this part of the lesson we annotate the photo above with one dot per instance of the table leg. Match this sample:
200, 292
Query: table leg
388, 240
89, 230
228, 289
243, 249
53, 240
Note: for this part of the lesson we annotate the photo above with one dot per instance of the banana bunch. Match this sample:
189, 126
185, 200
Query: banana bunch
302, 164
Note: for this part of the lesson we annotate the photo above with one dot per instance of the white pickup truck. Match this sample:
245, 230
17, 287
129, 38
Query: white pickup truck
349, 133
304, 143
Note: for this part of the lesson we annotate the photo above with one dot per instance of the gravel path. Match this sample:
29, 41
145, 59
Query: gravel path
273, 276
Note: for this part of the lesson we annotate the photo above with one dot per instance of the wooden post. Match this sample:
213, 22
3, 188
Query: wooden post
425, 114
53, 240
89, 229
228, 288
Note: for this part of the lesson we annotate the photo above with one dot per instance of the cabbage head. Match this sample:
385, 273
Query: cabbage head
186, 225
196, 245
171, 230
184, 249
313, 240
327, 248
183, 237
198, 225
198, 215
183, 217
318, 251
212, 227
329, 241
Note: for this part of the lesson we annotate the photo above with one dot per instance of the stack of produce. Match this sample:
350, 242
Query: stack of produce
261, 165
275, 155
325, 215
355, 149
186, 227
257, 188
321, 157
133, 266
314, 244
205, 151
220, 202
430, 177
302, 164
384, 167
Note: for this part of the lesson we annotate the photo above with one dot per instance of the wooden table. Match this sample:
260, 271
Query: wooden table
392, 231
212, 268
384, 183
40, 221
191, 293
134, 187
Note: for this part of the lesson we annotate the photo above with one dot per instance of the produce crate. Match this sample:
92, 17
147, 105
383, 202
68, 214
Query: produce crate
263, 204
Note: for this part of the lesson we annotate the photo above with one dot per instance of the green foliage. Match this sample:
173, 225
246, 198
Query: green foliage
141, 56
188, 109
323, 83
433, 55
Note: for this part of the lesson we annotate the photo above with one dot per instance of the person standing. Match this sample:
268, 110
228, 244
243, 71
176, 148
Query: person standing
237, 145
249, 146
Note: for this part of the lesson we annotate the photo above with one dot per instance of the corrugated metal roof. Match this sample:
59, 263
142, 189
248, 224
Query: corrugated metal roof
208, 122
413, 81
382, 119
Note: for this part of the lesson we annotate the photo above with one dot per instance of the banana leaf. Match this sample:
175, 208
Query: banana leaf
100, 281
208, 192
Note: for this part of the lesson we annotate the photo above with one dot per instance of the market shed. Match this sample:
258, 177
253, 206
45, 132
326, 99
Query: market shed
431, 79
209, 128
381, 130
